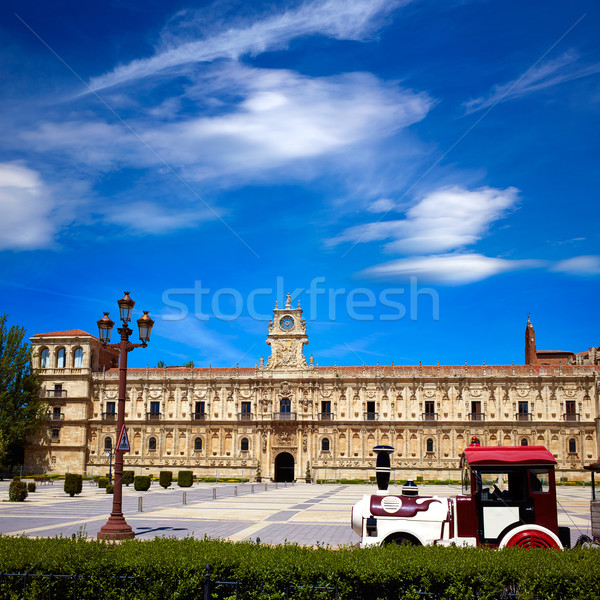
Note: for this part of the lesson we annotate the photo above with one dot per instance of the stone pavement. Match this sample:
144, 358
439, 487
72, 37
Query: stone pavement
301, 513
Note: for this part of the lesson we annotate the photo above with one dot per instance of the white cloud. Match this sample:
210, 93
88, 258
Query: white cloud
26, 207
383, 205
545, 75
579, 265
453, 269
446, 219
339, 19
146, 217
267, 119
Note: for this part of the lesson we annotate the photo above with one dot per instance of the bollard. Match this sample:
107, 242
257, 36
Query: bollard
184, 498
266, 488
252, 488
235, 490
140, 504
276, 485
214, 493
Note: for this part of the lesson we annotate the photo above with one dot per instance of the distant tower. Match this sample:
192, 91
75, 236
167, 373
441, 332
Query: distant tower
530, 352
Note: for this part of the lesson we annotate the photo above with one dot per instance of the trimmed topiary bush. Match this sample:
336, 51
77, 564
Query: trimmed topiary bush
185, 478
102, 482
17, 491
110, 488
127, 478
141, 483
165, 478
31, 486
16, 478
73, 484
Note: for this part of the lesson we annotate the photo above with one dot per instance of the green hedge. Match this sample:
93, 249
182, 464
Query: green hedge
141, 483
170, 568
17, 491
165, 478
185, 478
73, 484
127, 477
102, 482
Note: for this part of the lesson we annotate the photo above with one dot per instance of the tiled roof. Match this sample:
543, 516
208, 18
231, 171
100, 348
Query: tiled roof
59, 333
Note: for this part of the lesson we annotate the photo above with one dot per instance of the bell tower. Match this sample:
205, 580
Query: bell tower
287, 336
530, 351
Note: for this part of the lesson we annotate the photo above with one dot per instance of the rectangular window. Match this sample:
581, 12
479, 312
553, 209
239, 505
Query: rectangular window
326, 407
56, 412
155, 408
110, 408
475, 410
55, 433
371, 415
246, 408
199, 408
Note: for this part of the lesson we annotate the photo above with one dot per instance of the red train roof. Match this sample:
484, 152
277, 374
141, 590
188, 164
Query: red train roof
504, 455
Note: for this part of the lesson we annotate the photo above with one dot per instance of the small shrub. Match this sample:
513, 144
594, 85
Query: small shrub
127, 478
31, 486
17, 491
141, 483
73, 484
185, 478
102, 482
16, 478
165, 478
110, 488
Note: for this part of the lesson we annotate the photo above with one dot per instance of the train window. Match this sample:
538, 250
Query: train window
466, 481
539, 480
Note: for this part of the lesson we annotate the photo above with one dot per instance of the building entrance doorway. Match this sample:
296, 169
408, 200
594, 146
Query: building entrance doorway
284, 467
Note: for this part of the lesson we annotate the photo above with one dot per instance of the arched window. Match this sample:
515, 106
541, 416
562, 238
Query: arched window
572, 446
324, 445
524, 442
60, 359
152, 443
429, 445
45, 359
244, 445
78, 358
198, 444
107, 443
285, 405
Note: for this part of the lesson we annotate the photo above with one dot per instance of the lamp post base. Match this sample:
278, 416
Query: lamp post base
116, 528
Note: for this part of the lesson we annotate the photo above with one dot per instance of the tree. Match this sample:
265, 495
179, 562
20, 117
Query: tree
160, 364
189, 365
21, 409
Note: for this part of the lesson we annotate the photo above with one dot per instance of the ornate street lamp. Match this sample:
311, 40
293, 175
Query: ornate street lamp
116, 528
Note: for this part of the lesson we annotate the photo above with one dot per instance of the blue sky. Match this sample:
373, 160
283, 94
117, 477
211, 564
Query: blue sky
420, 175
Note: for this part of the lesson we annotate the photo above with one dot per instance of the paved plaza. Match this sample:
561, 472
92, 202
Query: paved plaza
300, 513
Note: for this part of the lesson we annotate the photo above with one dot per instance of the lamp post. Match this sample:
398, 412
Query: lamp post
116, 528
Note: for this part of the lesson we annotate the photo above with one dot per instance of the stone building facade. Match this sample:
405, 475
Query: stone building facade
290, 412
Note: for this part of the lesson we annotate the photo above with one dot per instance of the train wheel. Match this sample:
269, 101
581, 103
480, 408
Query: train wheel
532, 538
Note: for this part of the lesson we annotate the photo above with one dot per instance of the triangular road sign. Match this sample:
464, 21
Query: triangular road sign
123, 443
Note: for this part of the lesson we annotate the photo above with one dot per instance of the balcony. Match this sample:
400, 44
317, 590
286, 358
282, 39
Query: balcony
524, 416
198, 416
245, 416
371, 416
429, 416
109, 416
326, 416
284, 416
476, 416
56, 393
54, 416
153, 416
573, 417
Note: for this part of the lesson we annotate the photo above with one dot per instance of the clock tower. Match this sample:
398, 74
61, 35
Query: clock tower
287, 335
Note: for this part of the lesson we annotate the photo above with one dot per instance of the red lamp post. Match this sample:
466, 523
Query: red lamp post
116, 528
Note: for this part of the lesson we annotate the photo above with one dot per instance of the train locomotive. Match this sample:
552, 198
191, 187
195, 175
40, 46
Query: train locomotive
508, 499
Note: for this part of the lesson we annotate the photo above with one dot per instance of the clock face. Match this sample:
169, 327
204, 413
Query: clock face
286, 323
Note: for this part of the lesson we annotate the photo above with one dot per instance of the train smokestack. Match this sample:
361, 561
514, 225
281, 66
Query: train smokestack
383, 467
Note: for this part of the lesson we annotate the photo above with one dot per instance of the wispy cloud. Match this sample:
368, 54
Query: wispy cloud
445, 219
452, 269
26, 209
267, 119
338, 19
579, 265
547, 74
